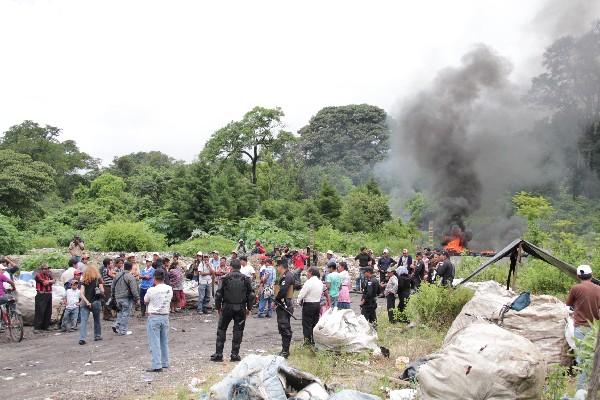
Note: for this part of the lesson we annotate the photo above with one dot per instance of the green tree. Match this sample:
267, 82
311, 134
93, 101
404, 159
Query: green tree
23, 184
329, 202
354, 137
130, 164
364, 212
41, 144
258, 130
536, 210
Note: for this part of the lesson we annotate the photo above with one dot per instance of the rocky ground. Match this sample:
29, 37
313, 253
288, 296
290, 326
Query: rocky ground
53, 365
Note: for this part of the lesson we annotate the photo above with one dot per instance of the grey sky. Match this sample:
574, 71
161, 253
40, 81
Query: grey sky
125, 76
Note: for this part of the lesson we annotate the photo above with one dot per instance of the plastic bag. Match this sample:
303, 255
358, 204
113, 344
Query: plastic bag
343, 330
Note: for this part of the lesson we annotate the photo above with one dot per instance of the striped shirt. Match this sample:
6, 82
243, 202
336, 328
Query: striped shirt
108, 280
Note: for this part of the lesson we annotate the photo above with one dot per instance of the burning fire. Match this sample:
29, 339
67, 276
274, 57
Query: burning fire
455, 246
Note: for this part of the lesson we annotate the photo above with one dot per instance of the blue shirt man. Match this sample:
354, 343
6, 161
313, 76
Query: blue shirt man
147, 277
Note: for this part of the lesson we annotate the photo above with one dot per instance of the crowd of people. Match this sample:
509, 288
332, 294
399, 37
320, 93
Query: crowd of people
122, 287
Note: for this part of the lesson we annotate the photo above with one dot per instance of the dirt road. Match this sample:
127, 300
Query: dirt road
52, 366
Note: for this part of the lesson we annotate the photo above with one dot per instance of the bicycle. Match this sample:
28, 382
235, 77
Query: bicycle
11, 319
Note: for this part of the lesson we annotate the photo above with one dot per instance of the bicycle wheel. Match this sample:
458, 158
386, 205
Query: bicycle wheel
15, 325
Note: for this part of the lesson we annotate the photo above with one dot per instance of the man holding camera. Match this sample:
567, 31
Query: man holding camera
76, 248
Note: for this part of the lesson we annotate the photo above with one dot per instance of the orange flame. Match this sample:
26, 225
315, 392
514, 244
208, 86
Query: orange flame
454, 246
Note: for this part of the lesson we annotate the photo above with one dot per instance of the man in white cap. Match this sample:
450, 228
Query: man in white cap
331, 261
584, 298
385, 262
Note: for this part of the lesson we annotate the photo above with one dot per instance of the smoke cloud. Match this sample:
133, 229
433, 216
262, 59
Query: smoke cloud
469, 140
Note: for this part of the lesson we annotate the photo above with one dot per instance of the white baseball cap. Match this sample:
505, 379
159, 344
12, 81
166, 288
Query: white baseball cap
329, 252
386, 251
584, 270
199, 253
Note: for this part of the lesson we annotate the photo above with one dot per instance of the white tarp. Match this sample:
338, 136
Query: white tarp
343, 330
190, 290
543, 322
484, 362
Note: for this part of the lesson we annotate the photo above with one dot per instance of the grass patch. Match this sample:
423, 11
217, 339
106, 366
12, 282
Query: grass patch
177, 393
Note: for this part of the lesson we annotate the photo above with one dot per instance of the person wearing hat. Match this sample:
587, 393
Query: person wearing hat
584, 298
147, 277
384, 263
76, 248
71, 302
192, 271
390, 290
368, 303
241, 248
234, 255
205, 274
446, 270
233, 301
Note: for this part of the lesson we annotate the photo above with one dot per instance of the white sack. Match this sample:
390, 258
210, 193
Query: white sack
484, 362
190, 290
342, 330
26, 300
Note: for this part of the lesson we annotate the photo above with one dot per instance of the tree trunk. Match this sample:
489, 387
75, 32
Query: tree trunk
254, 162
594, 382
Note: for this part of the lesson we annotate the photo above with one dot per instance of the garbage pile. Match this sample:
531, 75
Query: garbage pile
543, 322
484, 361
270, 377
343, 330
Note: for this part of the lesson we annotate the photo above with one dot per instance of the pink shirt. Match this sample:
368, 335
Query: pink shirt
344, 296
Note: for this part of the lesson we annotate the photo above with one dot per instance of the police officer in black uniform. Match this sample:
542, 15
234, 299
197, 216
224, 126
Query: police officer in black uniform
283, 300
233, 301
368, 303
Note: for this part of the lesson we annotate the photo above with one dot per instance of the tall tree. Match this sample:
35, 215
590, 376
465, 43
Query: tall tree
128, 164
354, 137
258, 130
41, 144
329, 202
23, 184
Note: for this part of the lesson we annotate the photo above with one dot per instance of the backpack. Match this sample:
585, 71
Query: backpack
234, 290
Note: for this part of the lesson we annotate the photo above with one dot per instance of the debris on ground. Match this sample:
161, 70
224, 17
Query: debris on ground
404, 394
543, 322
92, 373
484, 361
343, 330
270, 377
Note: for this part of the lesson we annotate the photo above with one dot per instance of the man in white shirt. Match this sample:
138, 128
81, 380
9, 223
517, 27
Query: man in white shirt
247, 269
158, 301
310, 299
205, 274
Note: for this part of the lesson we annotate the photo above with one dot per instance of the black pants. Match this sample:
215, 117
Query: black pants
402, 300
284, 326
237, 313
369, 311
382, 277
391, 306
310, 317
43, 311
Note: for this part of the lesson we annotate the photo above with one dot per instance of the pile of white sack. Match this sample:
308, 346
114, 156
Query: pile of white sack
343, 330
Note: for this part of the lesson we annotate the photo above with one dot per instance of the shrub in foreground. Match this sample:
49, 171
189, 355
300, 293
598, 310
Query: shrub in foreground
437, 306
127, 236
11, 241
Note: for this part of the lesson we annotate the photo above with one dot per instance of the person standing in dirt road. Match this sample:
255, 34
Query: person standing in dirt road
309, 299
585, 300
147, 277
43, 299
108, 274
234, 300
126, 294
157, 299
284, 307
368, 303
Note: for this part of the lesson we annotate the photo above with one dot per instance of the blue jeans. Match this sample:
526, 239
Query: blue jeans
580, 332
360, 280
203, 296
265, 302
85, 315
70, 318
157, 328
122, 321
334, 301
343, 306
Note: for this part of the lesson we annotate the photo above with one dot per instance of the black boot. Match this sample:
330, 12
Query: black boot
284, 354
235, 358
216, 357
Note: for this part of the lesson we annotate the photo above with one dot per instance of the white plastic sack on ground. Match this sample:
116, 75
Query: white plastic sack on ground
570, 332
484, 361
353, 395
26, 300
403, 394
190, 290
343, 330
542, 322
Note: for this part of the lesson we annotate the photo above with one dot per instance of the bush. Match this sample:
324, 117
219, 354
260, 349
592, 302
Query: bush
497, 272
41, 242
11, 240
539, 277
205, 244
435, 306
54, 260
126, 236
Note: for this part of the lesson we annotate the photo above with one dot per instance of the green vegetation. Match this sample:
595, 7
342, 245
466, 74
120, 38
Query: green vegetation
34, 261
435, 306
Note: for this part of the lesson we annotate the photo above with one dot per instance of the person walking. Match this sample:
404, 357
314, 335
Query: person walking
157, 300
267, 280
309, 299
584, 298
91, 293
71, 303
334, 284
108, 274
284, 307
147, 281
390, 291
126, 294
43, 299
368, 303
233, 301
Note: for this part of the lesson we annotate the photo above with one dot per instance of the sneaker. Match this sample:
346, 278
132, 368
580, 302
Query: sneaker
284, 354
235, 358
82, 342
154, 370
259, 316
114, 329
216, 357
97, 339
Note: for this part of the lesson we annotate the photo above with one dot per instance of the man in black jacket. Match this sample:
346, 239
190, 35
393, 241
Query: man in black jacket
233, 301
446, 270
285, 308
364, 261
368, 303
419, 272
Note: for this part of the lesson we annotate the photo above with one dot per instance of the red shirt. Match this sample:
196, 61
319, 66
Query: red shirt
299, 260
585, 299
42, 284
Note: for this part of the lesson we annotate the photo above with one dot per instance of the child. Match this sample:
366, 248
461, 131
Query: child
71, 301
